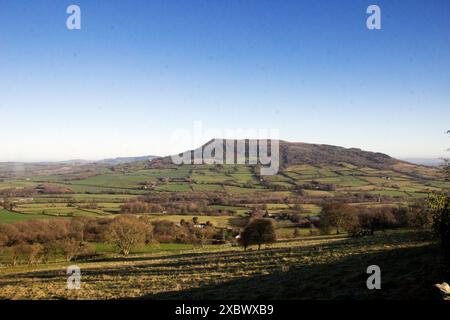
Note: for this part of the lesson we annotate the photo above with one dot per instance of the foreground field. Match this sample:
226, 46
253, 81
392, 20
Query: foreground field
314, 268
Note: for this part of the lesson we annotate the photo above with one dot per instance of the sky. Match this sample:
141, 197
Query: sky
138, 71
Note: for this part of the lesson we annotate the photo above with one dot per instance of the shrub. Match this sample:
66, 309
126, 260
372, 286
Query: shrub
440, 209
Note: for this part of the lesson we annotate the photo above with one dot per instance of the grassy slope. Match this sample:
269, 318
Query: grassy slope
317, 268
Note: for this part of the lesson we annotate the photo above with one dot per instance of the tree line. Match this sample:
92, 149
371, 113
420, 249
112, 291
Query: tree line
364, 220
43, 240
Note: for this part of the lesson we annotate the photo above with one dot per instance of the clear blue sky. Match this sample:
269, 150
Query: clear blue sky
140, 69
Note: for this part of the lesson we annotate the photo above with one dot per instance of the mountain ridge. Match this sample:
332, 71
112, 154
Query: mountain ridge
298, 153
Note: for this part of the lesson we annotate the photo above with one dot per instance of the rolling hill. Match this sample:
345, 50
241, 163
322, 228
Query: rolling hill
299, 153
122, 160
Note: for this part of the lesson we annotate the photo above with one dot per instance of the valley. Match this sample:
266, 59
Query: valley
196, 213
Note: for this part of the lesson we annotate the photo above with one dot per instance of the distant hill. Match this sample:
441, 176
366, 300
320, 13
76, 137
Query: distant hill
297, 153
75, 162
8, 169
122, 160
434, 162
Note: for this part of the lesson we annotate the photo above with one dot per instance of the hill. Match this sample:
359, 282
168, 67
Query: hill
320, 154
299, 153
80, 166
122, 160
309, 174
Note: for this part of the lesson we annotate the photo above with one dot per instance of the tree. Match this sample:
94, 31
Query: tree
417, 215
149, 234
77, 227
258, 231
11, 255
9, 235
337, 215
446, 166
374, 219
27, 253
439, 205
202, 234
440, 208
164, 231
126, 232
135, 206
446, 169
69, 248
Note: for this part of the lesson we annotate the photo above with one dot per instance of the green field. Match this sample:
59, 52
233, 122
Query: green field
110, 189
13, 217
174, 187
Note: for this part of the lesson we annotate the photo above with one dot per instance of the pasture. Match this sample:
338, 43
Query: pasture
315, 268
109, 189
13, 217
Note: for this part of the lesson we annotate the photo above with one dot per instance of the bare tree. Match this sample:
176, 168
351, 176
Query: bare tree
127, 232
69, 248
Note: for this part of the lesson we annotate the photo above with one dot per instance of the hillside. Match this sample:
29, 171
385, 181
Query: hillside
316, 268
122, 160
78, 166
299, 153
295, 153
291, 153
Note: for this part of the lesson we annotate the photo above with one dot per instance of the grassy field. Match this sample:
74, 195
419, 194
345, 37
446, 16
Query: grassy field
316, 268
107, 248
217, 221
110, 189
13, 217
51, 209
